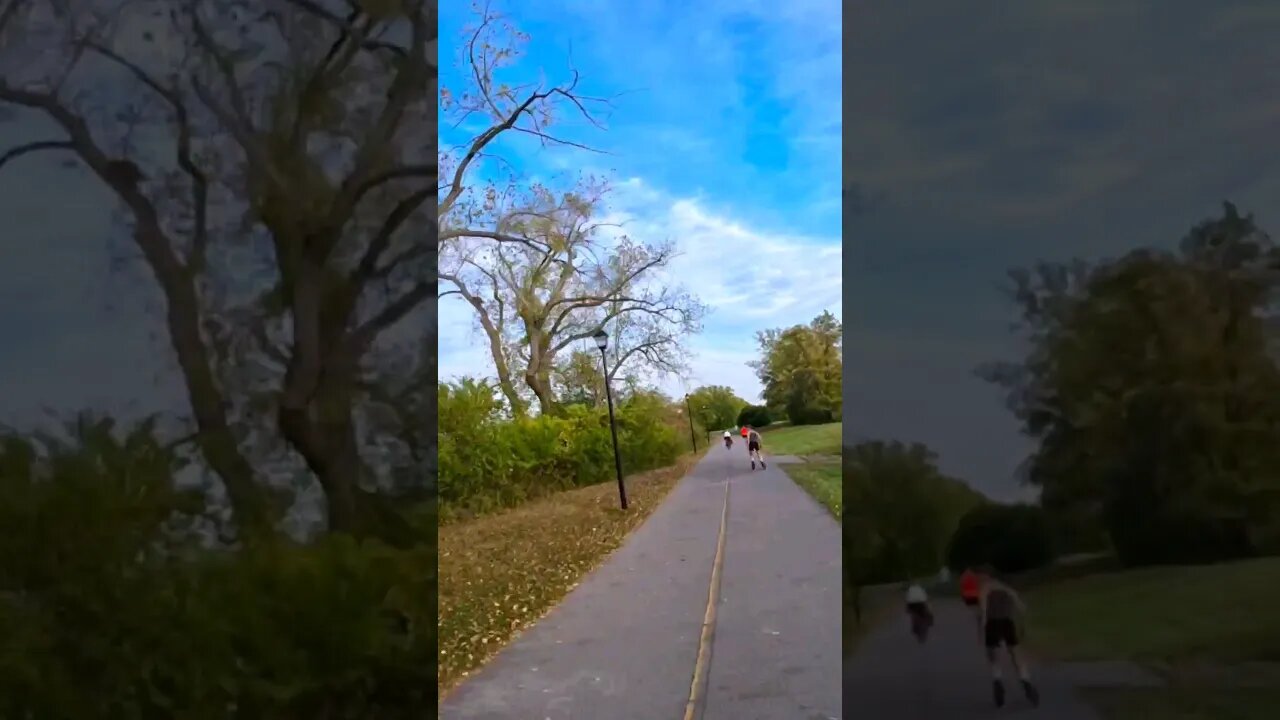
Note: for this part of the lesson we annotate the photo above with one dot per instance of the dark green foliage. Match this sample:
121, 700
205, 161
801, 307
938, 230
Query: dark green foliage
757, 416
489, 461
899, 512
1152, 388
1011, 538
715, 406
110, 606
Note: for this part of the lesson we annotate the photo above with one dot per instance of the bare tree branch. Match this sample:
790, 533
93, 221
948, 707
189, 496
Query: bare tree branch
346, 26
392, 314
381, 241
31, 147
199, 181
397, 173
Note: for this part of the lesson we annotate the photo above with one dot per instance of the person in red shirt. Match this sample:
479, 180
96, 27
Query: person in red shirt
744, 432
970, 592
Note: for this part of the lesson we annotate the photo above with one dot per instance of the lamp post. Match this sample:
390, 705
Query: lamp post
692, 438
602, 341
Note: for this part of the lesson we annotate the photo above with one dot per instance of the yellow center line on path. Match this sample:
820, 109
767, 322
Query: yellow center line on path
697, 689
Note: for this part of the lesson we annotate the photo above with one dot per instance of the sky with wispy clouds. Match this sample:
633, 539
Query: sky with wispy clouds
723, 137
979, 137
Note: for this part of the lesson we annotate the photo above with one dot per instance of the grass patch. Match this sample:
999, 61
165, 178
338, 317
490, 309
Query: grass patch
501, 573
822, 481
1209, 613
804, 439
1179, 703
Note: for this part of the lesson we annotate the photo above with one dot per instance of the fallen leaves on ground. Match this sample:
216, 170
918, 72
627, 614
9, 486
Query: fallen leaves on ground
501, 573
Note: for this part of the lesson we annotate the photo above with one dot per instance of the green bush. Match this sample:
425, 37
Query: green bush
489, 462
757, 416
1011, 538
111, 607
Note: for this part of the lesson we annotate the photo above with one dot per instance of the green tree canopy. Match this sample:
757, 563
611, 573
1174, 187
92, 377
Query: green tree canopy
900, 511
800, 368
716, 407
1151, 388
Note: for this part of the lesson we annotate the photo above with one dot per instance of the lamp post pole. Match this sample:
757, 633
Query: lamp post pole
602, 342
692, 438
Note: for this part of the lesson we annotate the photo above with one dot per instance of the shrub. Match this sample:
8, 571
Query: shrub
804, 415
489, 462
111, 607
1011, 538
757, 416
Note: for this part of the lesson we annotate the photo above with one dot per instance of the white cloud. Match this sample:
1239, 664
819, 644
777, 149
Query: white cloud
750, 279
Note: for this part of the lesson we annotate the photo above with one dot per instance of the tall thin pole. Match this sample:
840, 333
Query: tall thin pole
613, 430
692, 438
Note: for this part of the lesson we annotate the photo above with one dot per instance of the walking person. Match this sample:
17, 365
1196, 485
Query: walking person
753, 447
1000, 609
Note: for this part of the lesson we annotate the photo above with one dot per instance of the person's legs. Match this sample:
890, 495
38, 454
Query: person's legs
1020, 666
992, 641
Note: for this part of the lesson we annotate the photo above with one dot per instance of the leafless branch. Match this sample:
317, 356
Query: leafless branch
391, 314
346, 26
408, 85
199, 181
491, 235
477, 146
31, 147
397, 173
368, 266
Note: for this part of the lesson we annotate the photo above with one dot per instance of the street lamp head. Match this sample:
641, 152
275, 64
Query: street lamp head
602, 339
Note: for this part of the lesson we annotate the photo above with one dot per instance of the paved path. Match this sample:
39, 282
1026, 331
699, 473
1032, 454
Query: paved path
892, 677
625, 643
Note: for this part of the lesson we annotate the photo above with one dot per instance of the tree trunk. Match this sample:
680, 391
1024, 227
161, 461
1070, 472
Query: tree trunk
540, 383
324, 434
217, 443
508, 388
505, 383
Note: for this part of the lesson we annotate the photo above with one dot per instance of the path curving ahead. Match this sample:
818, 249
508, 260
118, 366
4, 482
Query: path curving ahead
891, 677
625, 643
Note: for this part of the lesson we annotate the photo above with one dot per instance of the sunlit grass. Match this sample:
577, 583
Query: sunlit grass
822, 481
804, 440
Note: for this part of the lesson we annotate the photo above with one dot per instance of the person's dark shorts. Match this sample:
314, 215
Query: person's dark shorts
971, 601
1001, 630
753, 446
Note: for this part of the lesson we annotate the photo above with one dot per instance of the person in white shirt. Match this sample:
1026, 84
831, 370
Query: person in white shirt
728, 439
918, 607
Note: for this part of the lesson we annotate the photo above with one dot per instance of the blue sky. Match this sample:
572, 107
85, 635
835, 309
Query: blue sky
1041, 130
723, 136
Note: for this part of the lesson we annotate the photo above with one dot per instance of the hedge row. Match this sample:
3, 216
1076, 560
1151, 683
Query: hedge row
489, 462
109, 608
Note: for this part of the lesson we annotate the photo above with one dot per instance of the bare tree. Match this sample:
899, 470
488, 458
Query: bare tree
466, 205
271, 158
569, 278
